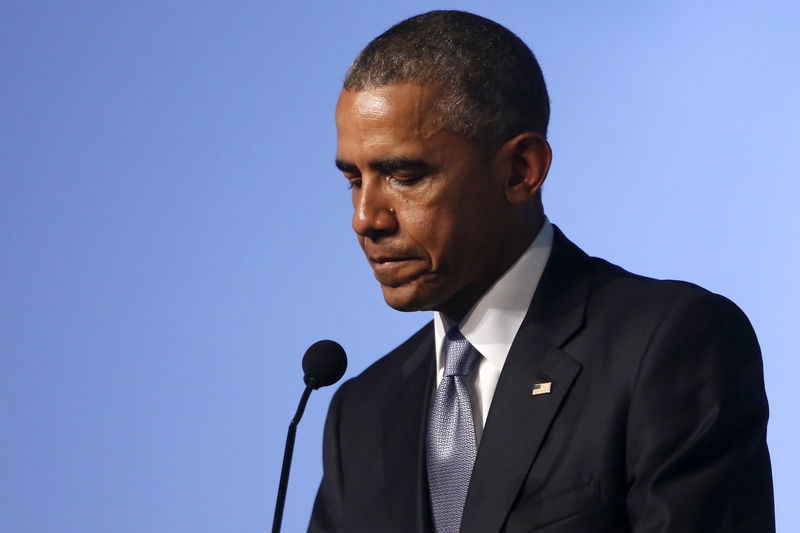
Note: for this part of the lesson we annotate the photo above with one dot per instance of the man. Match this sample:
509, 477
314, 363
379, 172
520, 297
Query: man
552, 392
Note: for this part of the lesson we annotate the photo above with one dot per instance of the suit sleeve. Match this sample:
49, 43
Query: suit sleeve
327, 515
697, 455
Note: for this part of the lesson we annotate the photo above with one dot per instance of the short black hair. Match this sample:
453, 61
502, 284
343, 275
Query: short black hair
492, 86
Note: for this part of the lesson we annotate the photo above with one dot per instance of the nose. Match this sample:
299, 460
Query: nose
373, 216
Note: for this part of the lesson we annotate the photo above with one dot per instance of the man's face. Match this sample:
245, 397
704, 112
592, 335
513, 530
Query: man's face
428, 207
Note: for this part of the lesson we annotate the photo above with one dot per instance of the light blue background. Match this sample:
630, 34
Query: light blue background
173, 233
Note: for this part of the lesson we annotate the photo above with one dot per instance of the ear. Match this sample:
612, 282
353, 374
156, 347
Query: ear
530, 155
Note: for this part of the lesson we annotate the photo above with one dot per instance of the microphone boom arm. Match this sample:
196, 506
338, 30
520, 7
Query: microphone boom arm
287, 456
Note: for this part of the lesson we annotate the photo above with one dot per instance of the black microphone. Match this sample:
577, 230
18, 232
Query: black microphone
324, 364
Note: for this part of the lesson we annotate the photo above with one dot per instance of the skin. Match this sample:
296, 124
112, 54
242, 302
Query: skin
439, 221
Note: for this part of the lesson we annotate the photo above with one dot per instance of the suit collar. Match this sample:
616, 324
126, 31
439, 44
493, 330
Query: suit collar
558, 308
518, 421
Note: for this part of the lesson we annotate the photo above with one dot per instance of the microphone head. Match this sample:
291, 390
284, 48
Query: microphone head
325, 363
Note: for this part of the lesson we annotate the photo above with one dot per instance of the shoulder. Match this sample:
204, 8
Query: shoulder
622, 295
666, 327
615, 301
389, 369
626, 316
613, 287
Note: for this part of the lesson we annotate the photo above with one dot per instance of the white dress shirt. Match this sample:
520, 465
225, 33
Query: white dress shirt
491, 325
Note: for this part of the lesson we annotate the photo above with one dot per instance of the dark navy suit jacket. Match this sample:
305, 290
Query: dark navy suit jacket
656, 420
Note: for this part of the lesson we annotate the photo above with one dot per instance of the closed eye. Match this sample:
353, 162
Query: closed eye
407, 181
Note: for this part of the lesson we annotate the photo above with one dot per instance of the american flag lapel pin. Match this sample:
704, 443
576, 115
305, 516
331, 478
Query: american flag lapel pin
542, 388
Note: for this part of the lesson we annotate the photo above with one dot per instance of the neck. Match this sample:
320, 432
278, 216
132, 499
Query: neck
514, 245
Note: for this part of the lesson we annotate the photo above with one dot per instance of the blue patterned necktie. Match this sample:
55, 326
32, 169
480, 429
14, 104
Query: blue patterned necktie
450, 442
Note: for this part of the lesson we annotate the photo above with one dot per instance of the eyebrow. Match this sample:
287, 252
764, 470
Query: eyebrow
386, 165
346, 166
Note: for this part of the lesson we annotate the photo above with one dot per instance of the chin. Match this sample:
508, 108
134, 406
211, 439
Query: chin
407, 299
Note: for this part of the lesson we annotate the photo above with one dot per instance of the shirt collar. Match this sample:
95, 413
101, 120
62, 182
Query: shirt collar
491, 325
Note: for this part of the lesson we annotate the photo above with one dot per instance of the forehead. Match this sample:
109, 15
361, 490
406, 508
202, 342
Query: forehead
395, 114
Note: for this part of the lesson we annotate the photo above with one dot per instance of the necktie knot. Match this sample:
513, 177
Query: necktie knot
460, 356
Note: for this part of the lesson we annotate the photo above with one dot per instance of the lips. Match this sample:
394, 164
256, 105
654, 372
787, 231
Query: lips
383, 263
381, 259
394, 270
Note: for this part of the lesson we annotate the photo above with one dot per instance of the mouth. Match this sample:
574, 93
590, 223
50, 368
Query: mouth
393, 270
387, 262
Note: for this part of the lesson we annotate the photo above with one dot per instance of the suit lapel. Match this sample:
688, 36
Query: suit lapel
404, 441
518, 420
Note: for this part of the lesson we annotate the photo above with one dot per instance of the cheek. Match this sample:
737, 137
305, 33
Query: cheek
462, 242
421, 226
439, 237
